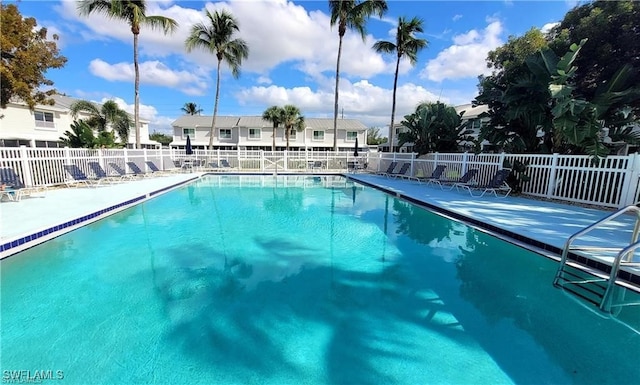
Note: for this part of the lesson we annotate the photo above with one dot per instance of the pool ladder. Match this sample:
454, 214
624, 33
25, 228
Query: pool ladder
603, 288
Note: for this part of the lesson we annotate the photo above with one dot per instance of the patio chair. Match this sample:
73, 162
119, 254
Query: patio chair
156, 170
76, 177
100, 173
120, 171
225, 163
389, 170
435, 175
497, 183
402, 173
13, 189
466, 180
317, 165
137, 171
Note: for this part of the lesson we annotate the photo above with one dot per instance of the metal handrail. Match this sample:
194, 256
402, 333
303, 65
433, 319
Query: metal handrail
567, 245
615, 268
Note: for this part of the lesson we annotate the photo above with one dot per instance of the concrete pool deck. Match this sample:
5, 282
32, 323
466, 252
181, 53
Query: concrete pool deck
534, 223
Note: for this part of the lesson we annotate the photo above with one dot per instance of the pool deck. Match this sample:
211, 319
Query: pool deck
536, 224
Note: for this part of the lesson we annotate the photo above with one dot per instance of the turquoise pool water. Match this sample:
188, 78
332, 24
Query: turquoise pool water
297, 280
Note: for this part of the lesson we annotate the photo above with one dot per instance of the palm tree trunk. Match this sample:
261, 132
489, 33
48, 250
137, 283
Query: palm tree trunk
393, 105
273, 135
215, 107
286, 134
335, 106
136, 100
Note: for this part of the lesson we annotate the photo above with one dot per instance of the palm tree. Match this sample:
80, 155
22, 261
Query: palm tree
134, 13
191, 109
406, 45
350, 14
101, 118
218, 38
292, 119
273, 114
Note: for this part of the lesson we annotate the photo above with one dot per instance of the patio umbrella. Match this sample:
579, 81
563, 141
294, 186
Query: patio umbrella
355, 151
188, 149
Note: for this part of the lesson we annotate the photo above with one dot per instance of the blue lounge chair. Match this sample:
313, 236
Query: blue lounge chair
467, 179
120, 171
225, 164
13, 188
101, 174
76, 177
136, 170
497, 184
402, 173
435, 175
389, 170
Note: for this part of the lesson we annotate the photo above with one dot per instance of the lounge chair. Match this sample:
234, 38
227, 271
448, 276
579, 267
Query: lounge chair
100, 173
497, 183
435, 175
156, 170
13, 188
402, 173
77, 177
468, 179
120, 171
225, 164
136, 170
317, 165
389, 170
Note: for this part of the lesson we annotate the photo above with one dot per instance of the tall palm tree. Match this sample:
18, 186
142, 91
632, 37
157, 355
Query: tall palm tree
134, 14
406, 45
101, 118
217, 37
292, 119
273, 114
350, 14
191, 109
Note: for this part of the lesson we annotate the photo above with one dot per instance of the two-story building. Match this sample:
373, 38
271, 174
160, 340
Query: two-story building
45, 124
254, 133
470, 113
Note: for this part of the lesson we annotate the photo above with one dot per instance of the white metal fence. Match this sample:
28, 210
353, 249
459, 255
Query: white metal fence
614, 182
572, 178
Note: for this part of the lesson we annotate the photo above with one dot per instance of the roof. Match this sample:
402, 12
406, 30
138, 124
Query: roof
205, 121
257, 122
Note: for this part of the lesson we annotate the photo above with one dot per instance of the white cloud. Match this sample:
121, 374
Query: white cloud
151, 72
362, 100
466, 57
263, 80
456, 17
547, 27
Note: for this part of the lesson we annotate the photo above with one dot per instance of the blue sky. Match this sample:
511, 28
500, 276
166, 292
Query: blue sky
292, 59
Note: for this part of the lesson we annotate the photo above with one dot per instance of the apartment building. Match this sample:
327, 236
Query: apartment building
44, 125
254, 133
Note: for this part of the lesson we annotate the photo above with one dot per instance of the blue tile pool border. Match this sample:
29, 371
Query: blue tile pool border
62, 228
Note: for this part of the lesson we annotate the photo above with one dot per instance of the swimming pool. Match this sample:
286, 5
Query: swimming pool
249, 279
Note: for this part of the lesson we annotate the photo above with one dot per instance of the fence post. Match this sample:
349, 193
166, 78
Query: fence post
465, 160
144, 152
27, 178
262, 160
630, 183
101, 157
551, 183
502, 157
285, 167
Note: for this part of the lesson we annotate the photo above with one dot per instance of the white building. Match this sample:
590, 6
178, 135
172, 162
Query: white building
254, 133
470, 113
44, 126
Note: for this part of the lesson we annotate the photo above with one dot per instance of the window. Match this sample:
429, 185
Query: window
225, 133
44, 119
318, 135
189, 131
351, 136
255, 133
292, 134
